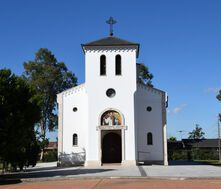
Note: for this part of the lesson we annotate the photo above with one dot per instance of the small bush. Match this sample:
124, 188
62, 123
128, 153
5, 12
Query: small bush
193, 154
179, 155
50, 156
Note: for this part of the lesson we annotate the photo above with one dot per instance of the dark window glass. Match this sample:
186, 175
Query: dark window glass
75, 139
102, 65
110, 93
75, 109
149, 139
149, 108
118, 65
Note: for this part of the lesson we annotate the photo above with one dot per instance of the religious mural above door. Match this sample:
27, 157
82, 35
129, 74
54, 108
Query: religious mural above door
111, 118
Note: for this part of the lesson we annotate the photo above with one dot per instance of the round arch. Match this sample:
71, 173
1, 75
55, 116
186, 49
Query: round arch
111, 117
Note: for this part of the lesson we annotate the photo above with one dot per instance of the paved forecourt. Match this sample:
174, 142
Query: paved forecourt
52, 172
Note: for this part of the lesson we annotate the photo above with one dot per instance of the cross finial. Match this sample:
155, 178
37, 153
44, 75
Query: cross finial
111, 21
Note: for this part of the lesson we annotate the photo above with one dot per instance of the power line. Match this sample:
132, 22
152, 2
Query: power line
219, 140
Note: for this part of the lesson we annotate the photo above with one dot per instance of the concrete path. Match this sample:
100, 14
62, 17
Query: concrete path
183, 171
51, 172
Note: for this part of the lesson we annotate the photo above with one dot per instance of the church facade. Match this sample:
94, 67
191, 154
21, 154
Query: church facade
112, 117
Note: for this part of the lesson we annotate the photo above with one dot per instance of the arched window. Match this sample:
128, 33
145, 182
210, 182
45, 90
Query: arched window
118, 65
149, 139
102, 65
75, 139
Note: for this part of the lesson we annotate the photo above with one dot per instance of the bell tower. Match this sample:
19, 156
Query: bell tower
110, 71
110, 59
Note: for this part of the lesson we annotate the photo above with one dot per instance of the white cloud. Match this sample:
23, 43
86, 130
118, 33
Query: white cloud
179, 108
212, 89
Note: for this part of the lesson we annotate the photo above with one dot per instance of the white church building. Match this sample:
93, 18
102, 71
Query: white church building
111, 118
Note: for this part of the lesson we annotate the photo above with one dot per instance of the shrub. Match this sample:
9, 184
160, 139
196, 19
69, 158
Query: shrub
50, 156
193, 154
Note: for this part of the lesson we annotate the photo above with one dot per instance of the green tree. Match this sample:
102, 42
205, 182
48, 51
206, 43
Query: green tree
172, 138
219, 98
197, 133
144, 76
48, 77
19, 111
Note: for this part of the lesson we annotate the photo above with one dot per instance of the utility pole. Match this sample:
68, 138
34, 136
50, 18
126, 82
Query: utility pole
181, 137
219, 140
181, 134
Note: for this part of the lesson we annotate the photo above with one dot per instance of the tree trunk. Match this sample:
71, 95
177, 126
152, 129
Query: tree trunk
43, 139
42, 154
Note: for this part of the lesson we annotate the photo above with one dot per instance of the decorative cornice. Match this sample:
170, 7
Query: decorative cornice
114, 127
73, 90
109, 49
150, 89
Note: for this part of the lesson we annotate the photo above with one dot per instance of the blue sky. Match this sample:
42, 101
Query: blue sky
180, 42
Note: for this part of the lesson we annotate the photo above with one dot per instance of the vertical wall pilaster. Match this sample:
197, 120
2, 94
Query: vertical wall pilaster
164, 130
60, 123
123, 144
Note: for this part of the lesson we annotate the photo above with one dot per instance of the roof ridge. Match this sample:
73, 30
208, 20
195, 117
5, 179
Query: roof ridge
110, 40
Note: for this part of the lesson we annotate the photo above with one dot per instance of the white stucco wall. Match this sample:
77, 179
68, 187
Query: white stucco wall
98, 102
74, 122
131, 100
149, 122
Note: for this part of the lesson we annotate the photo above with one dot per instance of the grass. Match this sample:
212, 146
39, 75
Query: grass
210, 162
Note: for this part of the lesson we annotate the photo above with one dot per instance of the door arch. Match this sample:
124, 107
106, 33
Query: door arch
111, 148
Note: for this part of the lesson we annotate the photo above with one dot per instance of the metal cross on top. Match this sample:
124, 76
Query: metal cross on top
111, 21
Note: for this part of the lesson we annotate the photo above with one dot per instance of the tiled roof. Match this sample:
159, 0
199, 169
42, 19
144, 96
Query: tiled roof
191, 143
52, 145
202, 143
110, 41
